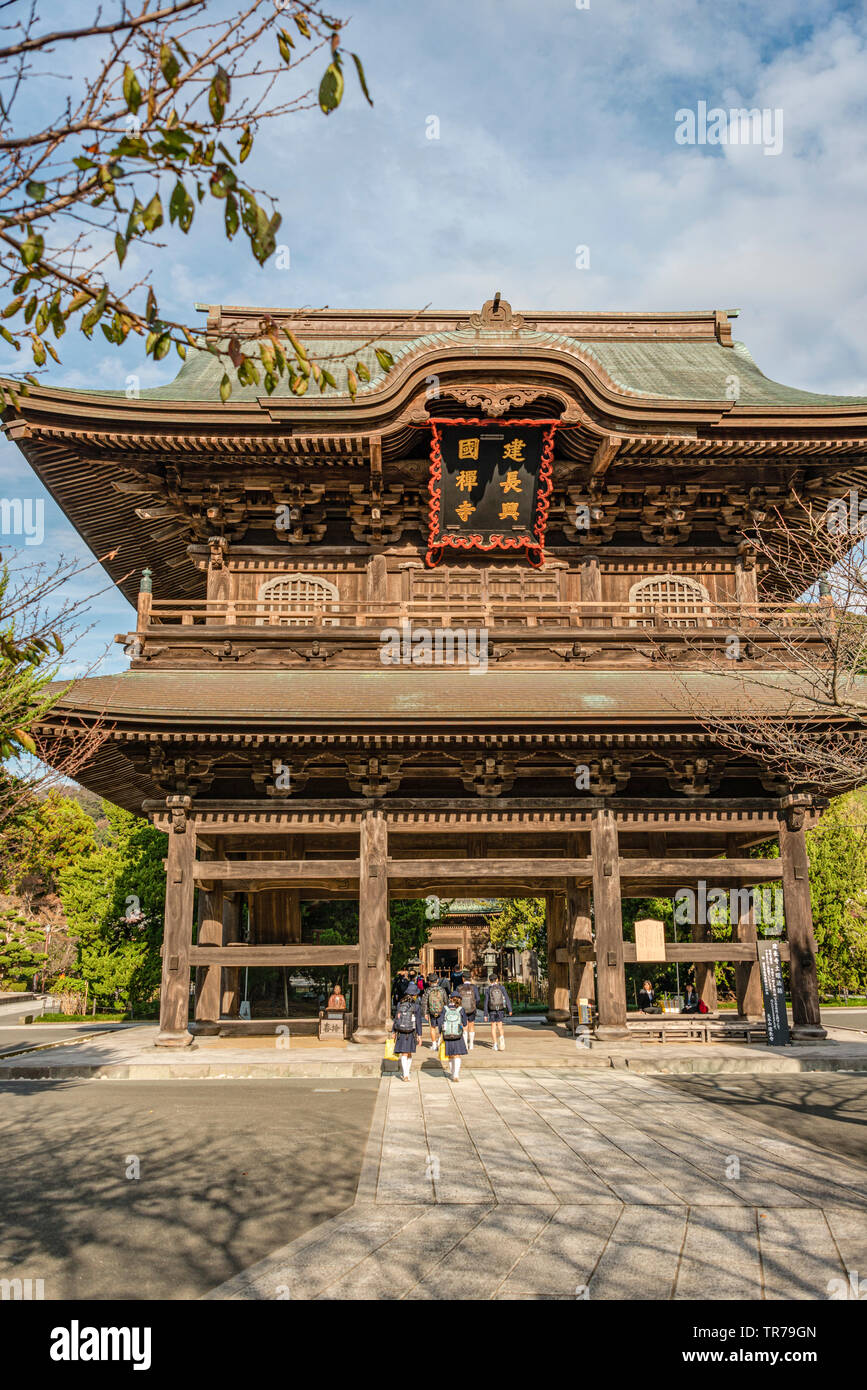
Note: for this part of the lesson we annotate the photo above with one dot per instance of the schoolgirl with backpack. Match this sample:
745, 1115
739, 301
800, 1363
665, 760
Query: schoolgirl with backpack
434, 1001
469, 1002
406, 1029
497, 1004
452, 1024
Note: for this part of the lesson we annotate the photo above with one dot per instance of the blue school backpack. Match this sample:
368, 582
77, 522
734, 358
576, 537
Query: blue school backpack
452, 1026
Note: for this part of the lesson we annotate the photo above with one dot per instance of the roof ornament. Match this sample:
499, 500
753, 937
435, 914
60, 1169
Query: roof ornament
496, 314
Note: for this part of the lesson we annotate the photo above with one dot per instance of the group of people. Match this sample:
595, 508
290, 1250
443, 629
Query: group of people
450, 1004
648, 1005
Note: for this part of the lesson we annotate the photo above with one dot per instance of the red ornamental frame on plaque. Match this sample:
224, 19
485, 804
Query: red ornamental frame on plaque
529, 533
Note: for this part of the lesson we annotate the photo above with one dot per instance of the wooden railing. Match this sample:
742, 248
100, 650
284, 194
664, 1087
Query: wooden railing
682, 616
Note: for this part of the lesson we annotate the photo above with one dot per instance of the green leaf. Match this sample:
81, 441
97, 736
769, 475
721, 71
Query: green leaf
248, 372
131, 89
152, 215
14, 306
222, 179
82, 162
120, 247
225, 388
38, 351
218, 95
301, 25
352, 382
92, 317
232, 217
285, 43
35, 190
32, 248
362, 79
246, 143
169, 66
363, 371
163, 344
331, 89
181, 351
181, 207
385, 359
151, 306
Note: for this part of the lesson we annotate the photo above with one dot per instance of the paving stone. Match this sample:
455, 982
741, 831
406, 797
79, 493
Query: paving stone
720, 1256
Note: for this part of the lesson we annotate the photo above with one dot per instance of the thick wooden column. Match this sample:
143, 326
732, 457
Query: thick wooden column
373, 931
705, 970
806, 1017
579, 929
209, 977
748, 983
178, 927
610, 975
558, 958
231, 1001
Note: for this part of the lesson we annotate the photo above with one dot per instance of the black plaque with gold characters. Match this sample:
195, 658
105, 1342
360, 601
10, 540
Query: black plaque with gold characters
490, 485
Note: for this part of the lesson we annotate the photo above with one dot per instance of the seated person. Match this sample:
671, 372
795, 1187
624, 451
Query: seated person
690, 1002
646, 998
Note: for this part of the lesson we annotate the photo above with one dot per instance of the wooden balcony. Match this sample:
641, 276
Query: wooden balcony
671, 618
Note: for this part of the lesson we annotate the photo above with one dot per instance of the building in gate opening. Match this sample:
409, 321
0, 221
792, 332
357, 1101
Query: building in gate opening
460, 931
407, 644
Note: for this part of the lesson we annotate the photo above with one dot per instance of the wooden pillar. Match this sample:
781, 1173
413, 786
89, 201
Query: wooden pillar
558, 958
610, 975
178, 927
806, 1017
748, 983
231, 1001
579, 929
210, 933
373, 931
705, 970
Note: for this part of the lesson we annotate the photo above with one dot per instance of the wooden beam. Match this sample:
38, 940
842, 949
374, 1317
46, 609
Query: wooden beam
487, 870
237, 956
690, 951
606, 451
274, 870
727, 870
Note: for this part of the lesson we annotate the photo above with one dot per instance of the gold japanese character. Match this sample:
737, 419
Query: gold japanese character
509, 511
467, 478
514, 450
511, 482
465, 510
468, 448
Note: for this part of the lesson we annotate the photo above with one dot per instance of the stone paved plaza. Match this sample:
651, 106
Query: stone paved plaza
553, 1184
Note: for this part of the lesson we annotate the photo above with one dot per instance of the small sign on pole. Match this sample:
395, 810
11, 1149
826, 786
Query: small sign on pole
773, 993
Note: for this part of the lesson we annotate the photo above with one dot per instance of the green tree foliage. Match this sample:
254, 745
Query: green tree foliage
837, 849
153, 122
18, 938
41, 837
522, 923
336, 924
114, 899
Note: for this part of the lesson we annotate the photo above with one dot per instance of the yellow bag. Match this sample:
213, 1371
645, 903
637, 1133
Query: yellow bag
443, 1050
389, 1049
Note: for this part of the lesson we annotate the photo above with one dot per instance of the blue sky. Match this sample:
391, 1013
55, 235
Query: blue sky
556, 130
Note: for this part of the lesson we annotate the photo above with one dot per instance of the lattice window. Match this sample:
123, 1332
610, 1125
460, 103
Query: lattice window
672, 599
306, 593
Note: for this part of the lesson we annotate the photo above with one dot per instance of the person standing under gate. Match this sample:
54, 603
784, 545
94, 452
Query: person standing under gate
497, 1002
454, 1021
433, 1002
470, 1002
407, 1029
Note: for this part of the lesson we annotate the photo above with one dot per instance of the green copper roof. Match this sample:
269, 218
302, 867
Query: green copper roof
682, 371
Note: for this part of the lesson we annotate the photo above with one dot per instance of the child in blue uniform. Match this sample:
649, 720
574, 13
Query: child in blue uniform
453, 1023
497, 1002
406, 1028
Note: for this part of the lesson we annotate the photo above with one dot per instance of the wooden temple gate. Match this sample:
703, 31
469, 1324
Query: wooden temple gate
576, 501
594, 872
